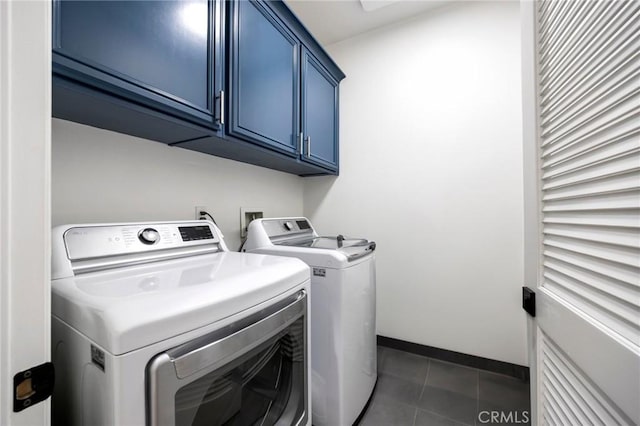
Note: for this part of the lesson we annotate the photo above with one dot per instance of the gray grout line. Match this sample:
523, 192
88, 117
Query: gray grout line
425, 381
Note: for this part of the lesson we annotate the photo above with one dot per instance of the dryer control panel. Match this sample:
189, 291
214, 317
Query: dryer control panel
100, 241
94, 247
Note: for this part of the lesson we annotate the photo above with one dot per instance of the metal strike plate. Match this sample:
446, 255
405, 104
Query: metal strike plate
529, 301
32, 386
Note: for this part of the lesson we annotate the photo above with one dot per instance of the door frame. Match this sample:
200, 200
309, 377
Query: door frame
25, 193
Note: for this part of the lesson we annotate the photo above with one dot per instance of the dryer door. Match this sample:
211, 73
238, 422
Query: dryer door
253, 372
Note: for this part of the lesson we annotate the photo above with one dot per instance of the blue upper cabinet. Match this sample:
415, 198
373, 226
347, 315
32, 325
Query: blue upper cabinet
160, 54
278, 100
319, 113
263, 79
240, 79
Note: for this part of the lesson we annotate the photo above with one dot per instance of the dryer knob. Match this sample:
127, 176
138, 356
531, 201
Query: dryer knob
149, 236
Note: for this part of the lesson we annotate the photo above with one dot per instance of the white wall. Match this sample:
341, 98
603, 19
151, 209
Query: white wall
431, 168
102, 176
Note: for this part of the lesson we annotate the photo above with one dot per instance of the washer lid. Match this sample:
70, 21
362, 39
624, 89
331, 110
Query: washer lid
129, 308
352, 248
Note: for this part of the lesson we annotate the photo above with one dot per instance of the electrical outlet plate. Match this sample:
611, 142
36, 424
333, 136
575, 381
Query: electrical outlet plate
201, 209
247, 214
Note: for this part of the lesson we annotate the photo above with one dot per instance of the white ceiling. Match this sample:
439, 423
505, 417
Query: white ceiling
333, 20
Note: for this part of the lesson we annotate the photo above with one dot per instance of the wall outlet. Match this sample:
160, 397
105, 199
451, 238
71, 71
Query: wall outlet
248, 214
202, 209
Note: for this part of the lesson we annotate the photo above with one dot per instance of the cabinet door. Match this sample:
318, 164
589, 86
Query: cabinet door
162, 54
264, 78
319, 114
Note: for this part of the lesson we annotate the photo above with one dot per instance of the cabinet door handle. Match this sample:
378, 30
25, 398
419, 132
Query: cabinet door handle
221, 98
308, 146
300, 139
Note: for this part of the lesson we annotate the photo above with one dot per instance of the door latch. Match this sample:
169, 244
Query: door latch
32, 386
529, 301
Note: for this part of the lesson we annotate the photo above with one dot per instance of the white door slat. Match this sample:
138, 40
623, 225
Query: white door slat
556, 12
623, 71
564, 404
609, 286
628, 275
544, 8
615, 33
558, 408
609, 176
575, 392
619, 219
615, 254
589, 65
601, 202
582, 414
627, 103
614, 192
619, 142
595, 413
621, 237
613, 184
626, 86
621, 125
550, 411
620, 185
591, 79
567, 45
579, 17
589, 76
587, 154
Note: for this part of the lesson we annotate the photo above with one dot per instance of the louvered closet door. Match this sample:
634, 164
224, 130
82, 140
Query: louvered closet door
588, 322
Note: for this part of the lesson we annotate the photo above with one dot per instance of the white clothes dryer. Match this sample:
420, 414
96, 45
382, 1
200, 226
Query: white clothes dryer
343, 319
158, 324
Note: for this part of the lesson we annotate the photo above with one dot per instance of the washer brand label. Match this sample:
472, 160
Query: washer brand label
319, 272
97, 357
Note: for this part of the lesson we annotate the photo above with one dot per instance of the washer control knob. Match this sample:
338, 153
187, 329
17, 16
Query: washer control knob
149, 236
288, 226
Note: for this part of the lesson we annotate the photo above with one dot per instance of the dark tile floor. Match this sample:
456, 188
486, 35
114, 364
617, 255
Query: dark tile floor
416, 390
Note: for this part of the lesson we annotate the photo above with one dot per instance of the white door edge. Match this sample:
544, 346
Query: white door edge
531, 178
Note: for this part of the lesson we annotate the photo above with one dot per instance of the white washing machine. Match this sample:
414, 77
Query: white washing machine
158, 324
343, 300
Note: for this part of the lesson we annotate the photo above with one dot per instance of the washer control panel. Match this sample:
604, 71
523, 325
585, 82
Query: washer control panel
294, 227
86, 242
